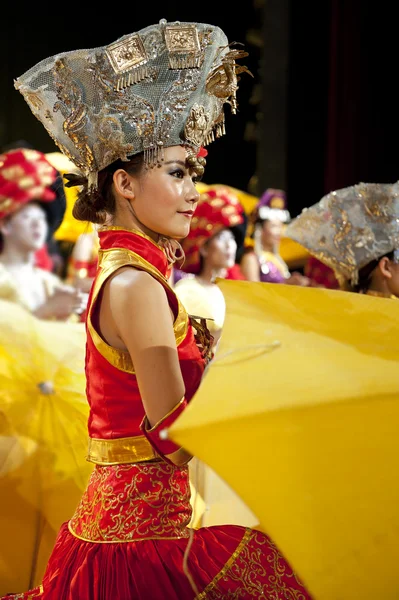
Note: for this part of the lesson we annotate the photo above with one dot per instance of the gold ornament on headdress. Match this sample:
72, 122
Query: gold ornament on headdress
183, 46
128, 58
196, 163
222, 82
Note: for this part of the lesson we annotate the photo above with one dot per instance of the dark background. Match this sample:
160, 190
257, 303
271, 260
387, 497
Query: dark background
321, 111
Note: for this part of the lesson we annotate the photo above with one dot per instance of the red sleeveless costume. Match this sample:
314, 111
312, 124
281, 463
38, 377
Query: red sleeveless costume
129, 533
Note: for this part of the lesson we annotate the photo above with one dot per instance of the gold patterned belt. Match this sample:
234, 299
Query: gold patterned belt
131, 503
119, 451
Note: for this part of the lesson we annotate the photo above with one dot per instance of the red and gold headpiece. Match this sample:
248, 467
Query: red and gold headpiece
25, 175
218, 208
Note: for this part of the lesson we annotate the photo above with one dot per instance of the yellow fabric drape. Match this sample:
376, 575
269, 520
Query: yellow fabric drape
299, 414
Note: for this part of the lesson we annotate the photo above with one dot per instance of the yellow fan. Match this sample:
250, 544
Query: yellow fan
299, 414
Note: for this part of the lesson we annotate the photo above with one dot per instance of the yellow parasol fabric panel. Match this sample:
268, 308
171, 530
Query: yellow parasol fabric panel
299, 414
43, 439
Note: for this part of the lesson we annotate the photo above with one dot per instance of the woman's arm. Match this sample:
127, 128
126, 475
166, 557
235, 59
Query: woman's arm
135, 309
250, 266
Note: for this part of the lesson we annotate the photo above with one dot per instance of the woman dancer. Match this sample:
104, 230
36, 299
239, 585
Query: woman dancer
133, 116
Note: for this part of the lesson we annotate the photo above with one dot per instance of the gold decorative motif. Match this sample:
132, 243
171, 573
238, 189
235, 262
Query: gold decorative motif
128, 56
126, 503
197, 125
222, 81
247, 574
183, 46
212, 585
119, 451
196, 163
74, 111
203, 337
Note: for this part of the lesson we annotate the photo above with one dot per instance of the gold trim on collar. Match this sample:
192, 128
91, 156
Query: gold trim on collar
119, 451
135, 231
111, 260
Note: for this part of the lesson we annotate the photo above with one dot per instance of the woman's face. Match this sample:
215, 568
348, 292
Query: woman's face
393, 281
220, 251
272, 230
165, 197
27, 228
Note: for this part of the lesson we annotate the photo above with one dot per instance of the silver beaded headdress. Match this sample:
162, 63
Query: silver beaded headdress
349, 228
162, 86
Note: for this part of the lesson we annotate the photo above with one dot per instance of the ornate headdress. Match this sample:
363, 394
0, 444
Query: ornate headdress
218, 208
25, 175
272, 205
162, 86
350, 227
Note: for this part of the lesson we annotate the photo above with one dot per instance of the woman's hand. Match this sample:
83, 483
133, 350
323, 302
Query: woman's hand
298, 279
65, 301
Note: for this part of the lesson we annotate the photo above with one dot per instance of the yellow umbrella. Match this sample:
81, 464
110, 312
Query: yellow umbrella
43, 439
299, 414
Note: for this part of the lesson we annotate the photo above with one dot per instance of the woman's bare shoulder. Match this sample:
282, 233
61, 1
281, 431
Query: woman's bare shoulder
128, 283
249, 256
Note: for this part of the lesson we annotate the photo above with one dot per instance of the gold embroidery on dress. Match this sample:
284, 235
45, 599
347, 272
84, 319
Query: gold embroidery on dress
35, 593
246, 569
126, 503
110, 261
212, 585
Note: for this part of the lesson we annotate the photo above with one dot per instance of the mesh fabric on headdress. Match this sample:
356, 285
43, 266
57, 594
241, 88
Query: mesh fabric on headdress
350, 227
162, 86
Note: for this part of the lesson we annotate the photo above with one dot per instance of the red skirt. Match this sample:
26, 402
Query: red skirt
129, 539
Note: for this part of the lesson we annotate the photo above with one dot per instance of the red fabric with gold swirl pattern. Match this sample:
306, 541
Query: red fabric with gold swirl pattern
136, 517
125, 503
